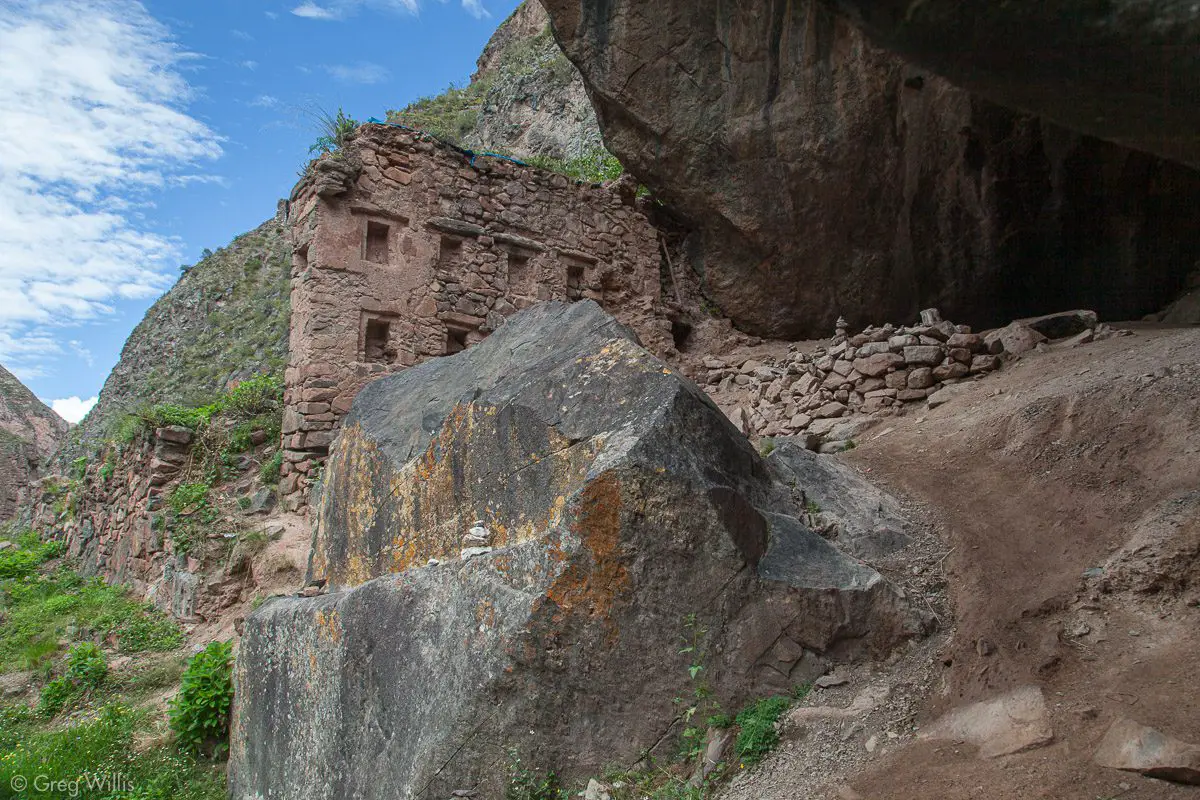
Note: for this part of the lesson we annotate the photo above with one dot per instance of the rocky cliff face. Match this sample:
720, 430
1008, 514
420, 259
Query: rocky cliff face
525, 98
540, 108
29, 434
824, 176
517, 537
225, 320
1124, 70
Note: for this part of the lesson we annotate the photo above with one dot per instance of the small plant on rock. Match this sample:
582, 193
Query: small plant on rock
269, 474
529, 784
200, 712
334, 131
701, 707
758, 736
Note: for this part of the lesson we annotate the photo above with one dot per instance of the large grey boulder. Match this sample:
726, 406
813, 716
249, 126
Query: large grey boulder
517, 539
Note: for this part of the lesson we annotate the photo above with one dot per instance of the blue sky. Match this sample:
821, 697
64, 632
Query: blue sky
134, 135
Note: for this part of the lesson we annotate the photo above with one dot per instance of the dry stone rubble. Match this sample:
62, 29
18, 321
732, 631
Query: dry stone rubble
831, 394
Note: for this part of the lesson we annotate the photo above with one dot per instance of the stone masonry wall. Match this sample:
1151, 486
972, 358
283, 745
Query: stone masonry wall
407, 249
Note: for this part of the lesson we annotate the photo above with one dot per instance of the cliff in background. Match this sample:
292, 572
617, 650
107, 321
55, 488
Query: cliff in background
225, 320
525, 98
29, 434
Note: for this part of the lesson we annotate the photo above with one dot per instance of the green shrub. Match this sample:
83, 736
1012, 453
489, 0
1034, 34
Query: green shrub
108, 468
23, 561
200, 712
450, 115
86, 665
79, 468
18, 563
262, 394
758, 736
127, 428
86, 671
57, 695
595, 166
148, 630
269, 474
189, 497
166, 415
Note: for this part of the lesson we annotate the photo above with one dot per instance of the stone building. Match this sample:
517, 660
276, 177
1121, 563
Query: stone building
406, 249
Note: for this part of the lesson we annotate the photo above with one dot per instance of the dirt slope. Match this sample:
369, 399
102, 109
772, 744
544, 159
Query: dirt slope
1067, 489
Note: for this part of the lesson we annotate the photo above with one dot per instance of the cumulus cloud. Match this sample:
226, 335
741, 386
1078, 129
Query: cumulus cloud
73, 409
340, 9
362, 72
91, 118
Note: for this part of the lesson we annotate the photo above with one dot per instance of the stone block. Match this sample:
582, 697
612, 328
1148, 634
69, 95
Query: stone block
878, 365
924, 355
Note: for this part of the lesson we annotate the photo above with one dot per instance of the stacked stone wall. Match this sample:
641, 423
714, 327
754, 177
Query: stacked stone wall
829, 393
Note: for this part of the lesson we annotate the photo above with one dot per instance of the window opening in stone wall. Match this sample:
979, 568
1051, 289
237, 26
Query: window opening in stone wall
451, 251
300, 261
456, 339
574, 282
519, 272
377, 342
377, 242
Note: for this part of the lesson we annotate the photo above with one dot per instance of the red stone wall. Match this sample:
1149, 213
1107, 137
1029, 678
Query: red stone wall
405, 250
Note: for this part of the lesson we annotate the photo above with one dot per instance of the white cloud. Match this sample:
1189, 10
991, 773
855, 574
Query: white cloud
73, 409
250, 65
475, 8
91, 118
265, 101
340, 9
313, 11
362, 72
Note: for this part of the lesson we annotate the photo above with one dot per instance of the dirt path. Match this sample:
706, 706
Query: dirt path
1038, 480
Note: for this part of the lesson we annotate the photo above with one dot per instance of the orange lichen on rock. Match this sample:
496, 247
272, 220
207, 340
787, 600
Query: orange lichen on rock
593, 580
430, 502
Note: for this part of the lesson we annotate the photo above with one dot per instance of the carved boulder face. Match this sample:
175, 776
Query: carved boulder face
516, 540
